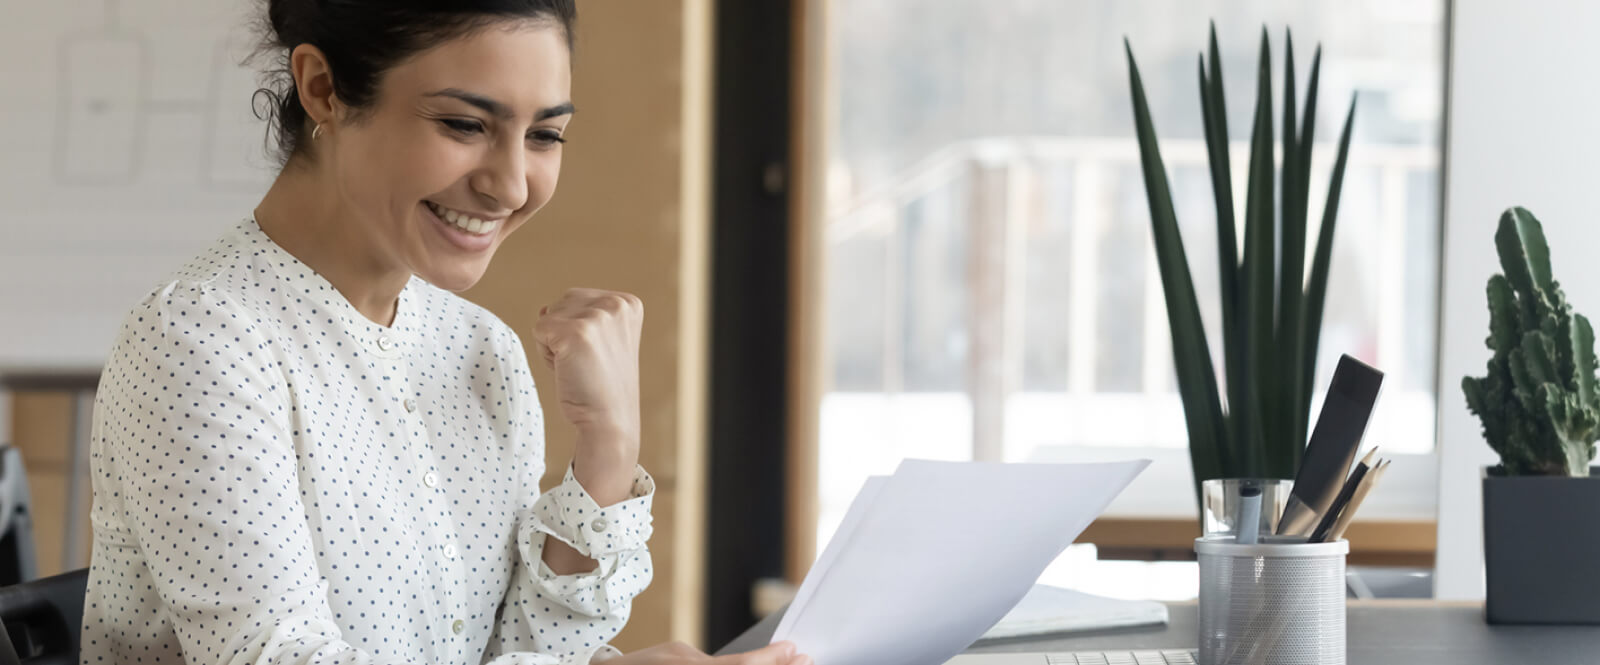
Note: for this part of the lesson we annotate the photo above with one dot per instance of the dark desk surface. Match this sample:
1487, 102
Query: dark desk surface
1379, 633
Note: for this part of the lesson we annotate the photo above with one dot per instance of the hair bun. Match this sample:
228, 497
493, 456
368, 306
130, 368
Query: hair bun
287, 18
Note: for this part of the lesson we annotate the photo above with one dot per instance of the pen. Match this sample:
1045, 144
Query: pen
1355, 501
1249, 526
1325, 525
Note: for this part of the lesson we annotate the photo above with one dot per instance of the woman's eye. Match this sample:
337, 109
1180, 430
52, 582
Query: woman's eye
462, 126
546, 139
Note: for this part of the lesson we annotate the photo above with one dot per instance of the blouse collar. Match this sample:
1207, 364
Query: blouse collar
389, 341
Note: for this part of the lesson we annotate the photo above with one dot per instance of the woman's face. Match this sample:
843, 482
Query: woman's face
461, 148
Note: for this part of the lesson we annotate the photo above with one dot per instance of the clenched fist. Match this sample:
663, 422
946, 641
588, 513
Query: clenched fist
590, 338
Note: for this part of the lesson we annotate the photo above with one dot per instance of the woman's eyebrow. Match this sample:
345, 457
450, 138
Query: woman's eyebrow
554, 111
498, 109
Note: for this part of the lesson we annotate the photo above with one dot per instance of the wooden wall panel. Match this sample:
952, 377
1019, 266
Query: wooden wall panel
631, 213
40, 429
808, 373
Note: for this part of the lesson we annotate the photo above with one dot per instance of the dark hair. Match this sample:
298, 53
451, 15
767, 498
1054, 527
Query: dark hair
362, 39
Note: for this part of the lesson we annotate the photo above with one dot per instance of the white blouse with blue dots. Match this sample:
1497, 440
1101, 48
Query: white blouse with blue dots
277, 479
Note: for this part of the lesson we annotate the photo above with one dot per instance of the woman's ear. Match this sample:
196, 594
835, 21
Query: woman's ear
313, 80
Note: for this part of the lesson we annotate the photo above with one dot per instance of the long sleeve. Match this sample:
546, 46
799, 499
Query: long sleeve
570, 619
279, 479
194, 438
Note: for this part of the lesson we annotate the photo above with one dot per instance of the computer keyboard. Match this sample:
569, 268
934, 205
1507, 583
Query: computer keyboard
1167, 657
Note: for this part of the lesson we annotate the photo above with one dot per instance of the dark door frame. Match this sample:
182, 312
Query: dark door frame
749, 310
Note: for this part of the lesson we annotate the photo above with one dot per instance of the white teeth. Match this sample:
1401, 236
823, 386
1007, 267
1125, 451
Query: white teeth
464, 222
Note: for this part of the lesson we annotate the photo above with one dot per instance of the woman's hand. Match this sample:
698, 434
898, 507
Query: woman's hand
678, 653
590, 338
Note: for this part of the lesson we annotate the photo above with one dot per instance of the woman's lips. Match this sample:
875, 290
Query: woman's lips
456, 234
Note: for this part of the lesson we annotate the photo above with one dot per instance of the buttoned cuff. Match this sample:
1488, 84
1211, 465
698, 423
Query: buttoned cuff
568, 514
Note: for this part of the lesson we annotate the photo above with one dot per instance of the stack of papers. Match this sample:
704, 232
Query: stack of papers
928, 559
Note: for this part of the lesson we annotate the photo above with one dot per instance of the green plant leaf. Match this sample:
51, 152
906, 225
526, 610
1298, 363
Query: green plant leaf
1293, 309
1214, 113
1308, 130
1317, 290
1202, 407
1291, 273
1259, 274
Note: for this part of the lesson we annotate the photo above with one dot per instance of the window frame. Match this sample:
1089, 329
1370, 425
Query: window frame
1411, 499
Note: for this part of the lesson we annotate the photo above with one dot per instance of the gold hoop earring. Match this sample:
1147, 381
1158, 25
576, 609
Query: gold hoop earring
316, 131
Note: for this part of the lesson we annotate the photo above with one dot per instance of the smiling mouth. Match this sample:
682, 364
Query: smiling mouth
462, 220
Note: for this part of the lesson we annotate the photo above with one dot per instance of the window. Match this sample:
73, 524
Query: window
990, 284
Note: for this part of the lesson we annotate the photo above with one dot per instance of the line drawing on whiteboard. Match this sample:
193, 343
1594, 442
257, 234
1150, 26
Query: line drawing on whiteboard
100, 112
108, 114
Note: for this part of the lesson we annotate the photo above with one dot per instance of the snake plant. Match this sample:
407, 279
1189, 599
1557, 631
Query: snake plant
1255, 425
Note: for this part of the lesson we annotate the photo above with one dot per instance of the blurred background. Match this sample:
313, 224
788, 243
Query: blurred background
865, 230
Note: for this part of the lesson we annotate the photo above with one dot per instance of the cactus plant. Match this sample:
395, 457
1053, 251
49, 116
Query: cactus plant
1538, 404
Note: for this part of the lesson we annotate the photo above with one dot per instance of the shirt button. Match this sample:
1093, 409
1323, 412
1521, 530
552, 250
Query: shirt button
458, 626
599, 524
411, 405
449, 551
385, 343
430, 479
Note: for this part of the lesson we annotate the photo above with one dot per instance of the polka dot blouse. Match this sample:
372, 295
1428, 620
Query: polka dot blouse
277, 479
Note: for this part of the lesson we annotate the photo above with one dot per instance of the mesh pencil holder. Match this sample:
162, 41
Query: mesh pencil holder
1280, 602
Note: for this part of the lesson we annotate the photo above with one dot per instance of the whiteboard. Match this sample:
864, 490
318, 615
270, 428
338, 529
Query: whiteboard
128, 144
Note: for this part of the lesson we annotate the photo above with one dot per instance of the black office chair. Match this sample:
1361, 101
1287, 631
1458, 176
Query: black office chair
17, 556
43, 620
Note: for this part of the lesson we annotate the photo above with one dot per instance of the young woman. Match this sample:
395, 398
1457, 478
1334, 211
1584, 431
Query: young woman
308, 450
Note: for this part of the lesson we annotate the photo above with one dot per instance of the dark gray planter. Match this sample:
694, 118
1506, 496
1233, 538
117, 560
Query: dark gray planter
1541, 548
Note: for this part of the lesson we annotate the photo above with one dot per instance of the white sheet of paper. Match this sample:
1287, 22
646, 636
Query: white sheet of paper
841, 536
928, 559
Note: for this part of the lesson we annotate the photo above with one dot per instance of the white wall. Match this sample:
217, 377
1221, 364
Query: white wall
127, 147
1523, 107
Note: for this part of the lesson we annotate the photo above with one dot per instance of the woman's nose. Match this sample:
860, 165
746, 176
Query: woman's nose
504, 180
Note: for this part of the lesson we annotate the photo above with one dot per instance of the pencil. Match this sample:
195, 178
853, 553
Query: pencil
1325, 525
1355, 501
